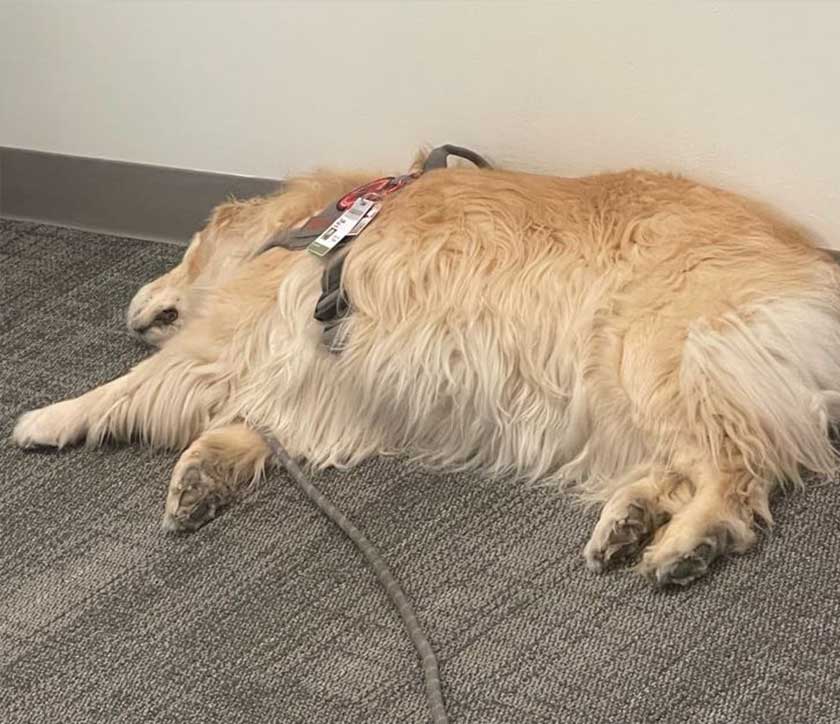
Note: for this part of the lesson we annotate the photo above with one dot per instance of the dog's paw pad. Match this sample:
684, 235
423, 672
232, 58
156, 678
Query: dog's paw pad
193, 500
682, 570
620, 535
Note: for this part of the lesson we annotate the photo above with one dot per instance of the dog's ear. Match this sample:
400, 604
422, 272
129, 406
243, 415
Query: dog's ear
223, 214
195, 257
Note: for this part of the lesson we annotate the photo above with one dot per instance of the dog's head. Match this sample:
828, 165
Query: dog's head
158, 309
235, 232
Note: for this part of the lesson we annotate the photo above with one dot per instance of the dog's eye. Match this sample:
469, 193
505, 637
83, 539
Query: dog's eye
167, 316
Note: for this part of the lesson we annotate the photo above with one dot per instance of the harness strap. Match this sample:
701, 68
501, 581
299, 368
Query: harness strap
333, 304
439, 156
298, 239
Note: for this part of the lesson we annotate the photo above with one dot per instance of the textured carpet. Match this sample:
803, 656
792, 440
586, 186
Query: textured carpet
269, 614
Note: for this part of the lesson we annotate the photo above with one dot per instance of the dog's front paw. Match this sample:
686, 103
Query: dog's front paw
196, 494
52, 426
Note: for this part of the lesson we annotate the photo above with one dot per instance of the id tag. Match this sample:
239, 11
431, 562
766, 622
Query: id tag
365, 220
340, 228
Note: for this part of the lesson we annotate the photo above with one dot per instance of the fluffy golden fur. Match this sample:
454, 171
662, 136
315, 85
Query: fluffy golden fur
664, 348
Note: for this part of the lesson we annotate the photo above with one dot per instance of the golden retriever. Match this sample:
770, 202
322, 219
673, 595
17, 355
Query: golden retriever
667, 349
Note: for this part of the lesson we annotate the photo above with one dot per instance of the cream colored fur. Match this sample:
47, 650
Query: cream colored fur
649, 342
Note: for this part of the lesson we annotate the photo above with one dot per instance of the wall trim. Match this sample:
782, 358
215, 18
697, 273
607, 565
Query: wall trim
116, 197
138, 200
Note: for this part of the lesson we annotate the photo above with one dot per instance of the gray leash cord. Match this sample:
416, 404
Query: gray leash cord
431, 675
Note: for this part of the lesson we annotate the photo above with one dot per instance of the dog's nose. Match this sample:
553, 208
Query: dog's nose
167, 316
162, 319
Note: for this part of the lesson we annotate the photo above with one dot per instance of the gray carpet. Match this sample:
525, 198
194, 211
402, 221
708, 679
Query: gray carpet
269, 614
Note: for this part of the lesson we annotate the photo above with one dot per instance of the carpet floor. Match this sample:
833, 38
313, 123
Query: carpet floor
269, 614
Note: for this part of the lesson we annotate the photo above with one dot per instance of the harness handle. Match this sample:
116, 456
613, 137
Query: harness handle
438, 157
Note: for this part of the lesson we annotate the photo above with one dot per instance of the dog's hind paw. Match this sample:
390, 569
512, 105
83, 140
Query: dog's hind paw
622, 532
678, 559
687, 568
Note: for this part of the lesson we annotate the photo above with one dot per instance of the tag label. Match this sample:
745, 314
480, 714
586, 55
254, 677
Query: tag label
365, 220
340, 228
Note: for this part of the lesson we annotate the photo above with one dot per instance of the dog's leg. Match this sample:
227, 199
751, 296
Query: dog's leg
678, 523
165, 401
718, 519
211, 473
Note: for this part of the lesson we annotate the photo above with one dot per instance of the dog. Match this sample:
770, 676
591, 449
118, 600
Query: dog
667, 350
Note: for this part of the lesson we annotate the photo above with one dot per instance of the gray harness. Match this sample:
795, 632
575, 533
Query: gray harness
333, 305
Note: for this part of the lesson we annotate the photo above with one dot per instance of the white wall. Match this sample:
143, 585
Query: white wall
742, 94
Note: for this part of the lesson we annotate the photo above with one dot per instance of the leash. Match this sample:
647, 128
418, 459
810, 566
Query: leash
321, 235
428, 660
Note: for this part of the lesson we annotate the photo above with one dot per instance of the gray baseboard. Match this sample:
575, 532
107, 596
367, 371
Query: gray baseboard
116, 197
121, 198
